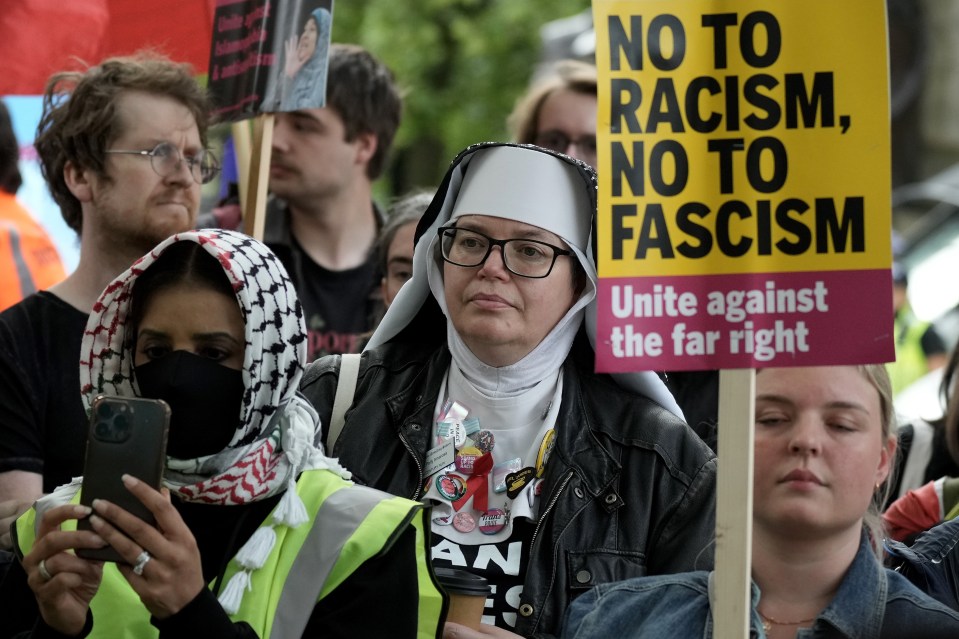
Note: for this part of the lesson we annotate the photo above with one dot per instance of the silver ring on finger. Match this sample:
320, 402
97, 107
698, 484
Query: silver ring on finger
141, 561
42, 568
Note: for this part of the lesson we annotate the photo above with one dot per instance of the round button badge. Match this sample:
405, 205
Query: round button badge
443, 520
484, 441
492, 521
451, 486
465, 459
464, 522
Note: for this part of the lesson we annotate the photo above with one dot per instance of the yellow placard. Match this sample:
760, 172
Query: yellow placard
734, 138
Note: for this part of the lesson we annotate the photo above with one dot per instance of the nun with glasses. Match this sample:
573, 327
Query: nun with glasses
477, 394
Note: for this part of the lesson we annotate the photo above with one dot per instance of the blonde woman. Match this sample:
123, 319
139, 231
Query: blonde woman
824, 448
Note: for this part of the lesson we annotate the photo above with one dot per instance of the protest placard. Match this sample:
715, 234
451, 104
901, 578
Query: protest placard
269, 56
744, 211
266, 56
744, 172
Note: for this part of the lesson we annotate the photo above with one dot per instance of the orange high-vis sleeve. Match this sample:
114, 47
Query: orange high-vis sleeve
29, 261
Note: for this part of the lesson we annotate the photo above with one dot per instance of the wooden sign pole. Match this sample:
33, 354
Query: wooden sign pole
734, 504
243, 151
254, 211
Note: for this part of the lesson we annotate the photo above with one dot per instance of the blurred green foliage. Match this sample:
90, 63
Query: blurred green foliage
461, 63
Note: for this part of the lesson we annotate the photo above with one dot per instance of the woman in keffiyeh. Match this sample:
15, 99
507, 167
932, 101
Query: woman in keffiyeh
258, 532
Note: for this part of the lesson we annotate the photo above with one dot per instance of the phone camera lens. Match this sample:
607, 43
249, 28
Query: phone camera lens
121, 427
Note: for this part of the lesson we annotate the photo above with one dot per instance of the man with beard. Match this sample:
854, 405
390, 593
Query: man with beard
123, 149
322, 222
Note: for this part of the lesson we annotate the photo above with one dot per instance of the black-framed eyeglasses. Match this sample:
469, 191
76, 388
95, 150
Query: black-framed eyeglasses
165, 159
526, 258
558, 141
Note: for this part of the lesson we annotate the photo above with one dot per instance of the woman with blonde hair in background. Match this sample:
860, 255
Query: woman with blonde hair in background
559, 111
824, 449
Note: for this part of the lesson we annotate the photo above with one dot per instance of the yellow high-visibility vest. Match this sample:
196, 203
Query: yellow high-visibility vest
348, 525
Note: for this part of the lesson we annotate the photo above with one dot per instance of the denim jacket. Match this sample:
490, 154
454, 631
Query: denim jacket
932, 562
872, 603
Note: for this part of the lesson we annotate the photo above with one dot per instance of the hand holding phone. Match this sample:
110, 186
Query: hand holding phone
127, 435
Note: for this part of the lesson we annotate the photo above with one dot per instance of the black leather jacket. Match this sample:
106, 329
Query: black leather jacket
629, 488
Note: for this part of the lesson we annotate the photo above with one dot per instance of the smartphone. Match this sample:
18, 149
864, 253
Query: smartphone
126, 435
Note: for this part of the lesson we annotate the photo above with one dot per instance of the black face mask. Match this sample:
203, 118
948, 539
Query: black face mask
204, 399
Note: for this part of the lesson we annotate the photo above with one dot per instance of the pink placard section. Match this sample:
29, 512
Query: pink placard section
749, 320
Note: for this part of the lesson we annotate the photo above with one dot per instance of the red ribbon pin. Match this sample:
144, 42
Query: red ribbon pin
477, 485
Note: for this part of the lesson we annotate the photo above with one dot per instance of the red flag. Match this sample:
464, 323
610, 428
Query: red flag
40, 37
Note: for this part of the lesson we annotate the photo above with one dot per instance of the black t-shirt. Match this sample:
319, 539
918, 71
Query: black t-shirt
503, 565
340, 307
42, 421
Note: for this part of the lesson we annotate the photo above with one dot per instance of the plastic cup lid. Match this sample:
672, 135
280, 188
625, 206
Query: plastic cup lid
461, 582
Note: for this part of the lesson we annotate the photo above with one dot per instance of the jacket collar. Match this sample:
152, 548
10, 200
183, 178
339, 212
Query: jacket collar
859, 605
406, 403
576, 443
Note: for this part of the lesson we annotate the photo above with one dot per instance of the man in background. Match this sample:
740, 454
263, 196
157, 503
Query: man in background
321, 221
124, 156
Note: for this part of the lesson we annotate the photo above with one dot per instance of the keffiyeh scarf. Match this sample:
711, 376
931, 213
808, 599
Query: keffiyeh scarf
277, 433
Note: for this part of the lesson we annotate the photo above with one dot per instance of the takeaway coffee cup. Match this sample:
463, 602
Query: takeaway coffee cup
468, 593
